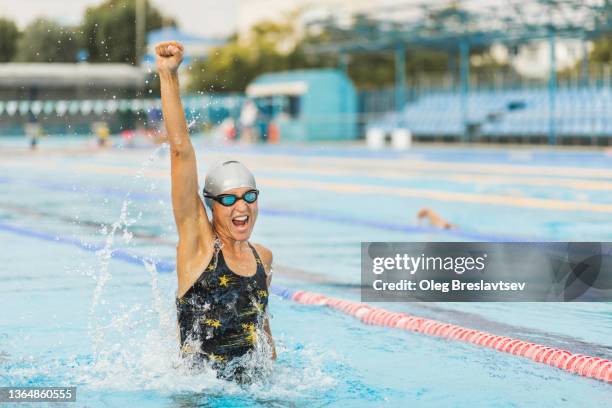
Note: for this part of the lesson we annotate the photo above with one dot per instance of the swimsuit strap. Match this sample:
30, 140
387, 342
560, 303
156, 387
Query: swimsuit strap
217, 244
257, 258
258, 261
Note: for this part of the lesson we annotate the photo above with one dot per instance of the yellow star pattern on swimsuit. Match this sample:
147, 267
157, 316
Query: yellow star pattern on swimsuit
251, 333
262, 293
223, 280
215, 357
214, 323
187, 348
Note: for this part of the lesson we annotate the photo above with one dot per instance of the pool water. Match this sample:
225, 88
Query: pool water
87, 250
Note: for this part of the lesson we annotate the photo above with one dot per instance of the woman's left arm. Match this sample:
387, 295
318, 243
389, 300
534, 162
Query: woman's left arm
269, 335
266, 259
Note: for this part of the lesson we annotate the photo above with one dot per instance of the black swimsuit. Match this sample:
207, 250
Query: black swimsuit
221, 316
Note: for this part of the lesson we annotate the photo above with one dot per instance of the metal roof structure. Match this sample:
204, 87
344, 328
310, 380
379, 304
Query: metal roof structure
445, 25
459, 26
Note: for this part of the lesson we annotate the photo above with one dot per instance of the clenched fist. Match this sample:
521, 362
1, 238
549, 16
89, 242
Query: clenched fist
169, 56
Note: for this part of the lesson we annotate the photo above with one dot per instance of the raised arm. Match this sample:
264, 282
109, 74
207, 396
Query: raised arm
189, 213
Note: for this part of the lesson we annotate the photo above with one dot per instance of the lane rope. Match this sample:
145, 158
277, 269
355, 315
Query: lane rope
119, 254
580, 364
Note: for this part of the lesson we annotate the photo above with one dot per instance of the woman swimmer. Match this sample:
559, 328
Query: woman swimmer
223, 280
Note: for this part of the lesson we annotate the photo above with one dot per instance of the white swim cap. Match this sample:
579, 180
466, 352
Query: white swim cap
225, 176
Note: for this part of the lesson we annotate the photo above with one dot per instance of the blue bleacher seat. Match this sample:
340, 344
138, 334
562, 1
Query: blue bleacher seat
582, 111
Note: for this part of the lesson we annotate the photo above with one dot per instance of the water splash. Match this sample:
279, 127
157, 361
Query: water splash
150, 361
104, 256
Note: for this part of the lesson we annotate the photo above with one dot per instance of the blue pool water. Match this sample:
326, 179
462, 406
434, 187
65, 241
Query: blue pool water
81, 307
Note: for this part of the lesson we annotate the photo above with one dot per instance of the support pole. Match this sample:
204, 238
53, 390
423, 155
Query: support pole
585, 63
139, 45
400, 77
552, 89
343, 61
464, 54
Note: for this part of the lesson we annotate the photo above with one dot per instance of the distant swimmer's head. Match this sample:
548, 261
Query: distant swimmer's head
231, 193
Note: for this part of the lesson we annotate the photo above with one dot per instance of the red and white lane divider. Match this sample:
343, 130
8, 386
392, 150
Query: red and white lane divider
586, 366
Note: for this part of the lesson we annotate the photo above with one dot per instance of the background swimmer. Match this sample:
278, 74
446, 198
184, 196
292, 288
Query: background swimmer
435, 220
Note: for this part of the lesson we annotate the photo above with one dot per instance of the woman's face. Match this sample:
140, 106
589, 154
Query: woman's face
236, 221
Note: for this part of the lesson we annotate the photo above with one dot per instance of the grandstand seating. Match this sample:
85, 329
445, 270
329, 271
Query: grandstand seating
578, 112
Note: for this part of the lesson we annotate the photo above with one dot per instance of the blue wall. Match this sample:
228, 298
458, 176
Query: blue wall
328, 109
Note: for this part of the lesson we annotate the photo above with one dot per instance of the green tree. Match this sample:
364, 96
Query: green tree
109, 30
9, 34
46, 41
599, 56
376, 69
602, 50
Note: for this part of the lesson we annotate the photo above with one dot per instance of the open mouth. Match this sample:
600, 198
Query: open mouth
240, 221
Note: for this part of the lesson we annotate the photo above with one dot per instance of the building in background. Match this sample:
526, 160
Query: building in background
31, 81
307, 105
66, 98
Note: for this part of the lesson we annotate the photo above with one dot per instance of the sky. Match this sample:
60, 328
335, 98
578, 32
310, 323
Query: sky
201, 17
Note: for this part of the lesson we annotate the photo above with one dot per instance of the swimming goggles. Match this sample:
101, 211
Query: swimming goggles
228, 200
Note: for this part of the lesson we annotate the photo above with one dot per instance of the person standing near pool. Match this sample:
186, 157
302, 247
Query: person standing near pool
223, 280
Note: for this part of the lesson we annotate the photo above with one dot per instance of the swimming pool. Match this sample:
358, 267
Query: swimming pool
80, 307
